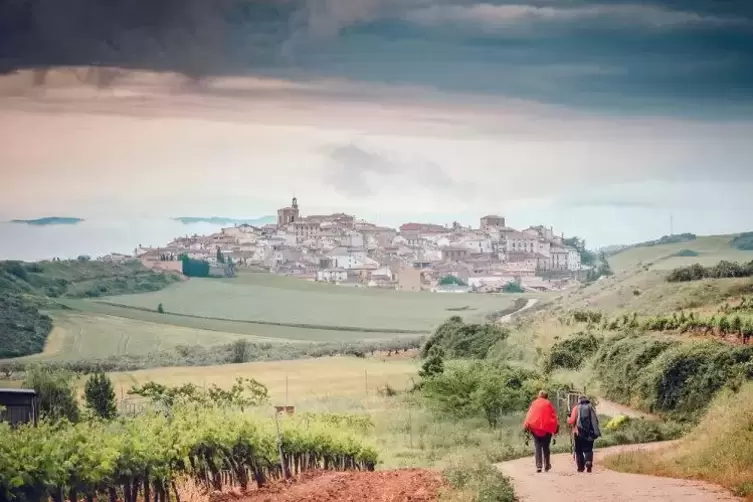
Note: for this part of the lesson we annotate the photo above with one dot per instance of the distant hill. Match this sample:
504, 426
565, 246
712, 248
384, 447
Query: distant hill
50, 220
219, 220
25, 288
667, 239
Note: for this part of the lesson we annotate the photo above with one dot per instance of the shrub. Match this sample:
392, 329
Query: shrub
572, 352
54, 391
672, 378
434, 363
23, 329
483, 481
743, 242
722, 270
512, 287
481, 389
465, 341
687, 253
100, 396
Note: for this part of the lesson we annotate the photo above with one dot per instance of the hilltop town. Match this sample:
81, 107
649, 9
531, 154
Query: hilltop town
342, 249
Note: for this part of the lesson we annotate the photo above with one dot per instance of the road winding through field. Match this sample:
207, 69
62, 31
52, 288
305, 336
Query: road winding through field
530, 303
603, 485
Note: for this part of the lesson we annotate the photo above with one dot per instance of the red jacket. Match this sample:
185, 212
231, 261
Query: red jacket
541, 418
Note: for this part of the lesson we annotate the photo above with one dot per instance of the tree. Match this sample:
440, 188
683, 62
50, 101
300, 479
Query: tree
54, 391
451, 279
240, 351
160, 309
512, 287
100, 396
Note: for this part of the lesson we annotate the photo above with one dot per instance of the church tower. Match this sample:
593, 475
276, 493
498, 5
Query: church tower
288, 215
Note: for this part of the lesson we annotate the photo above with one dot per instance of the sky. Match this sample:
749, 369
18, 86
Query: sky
604, 119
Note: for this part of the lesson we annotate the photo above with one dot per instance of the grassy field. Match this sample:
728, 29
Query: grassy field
639, 284
711, 250
265, 331
284, 300
308, 380
91, 336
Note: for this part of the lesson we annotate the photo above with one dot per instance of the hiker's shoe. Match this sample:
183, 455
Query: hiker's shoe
589, 466
580, 470
538, 469
547, 468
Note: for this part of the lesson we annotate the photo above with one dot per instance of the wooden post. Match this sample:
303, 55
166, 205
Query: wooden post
279, 447
366, 375
286, 390
410, 428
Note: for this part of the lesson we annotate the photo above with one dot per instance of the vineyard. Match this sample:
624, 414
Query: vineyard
141, 457
732, 321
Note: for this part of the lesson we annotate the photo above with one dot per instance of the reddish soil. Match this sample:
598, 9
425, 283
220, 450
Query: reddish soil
407, 485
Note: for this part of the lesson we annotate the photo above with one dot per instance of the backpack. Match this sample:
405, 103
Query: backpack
585, 426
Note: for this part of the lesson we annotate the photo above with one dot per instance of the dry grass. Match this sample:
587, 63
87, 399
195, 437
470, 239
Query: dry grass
719, 450
307, 379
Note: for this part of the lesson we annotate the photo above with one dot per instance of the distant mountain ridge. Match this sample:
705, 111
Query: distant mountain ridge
50, 220
220, 220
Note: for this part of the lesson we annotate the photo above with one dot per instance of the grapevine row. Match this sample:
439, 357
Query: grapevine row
141, 457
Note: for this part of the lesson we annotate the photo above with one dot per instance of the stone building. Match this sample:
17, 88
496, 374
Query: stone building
288, 215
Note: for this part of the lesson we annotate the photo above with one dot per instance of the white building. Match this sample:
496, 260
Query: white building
573, 259
559, 258
332, 275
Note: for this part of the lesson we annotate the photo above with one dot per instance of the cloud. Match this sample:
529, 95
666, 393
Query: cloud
512, 16
357, 171
661, 57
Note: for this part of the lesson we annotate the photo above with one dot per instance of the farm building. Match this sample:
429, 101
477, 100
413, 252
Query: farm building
18, 406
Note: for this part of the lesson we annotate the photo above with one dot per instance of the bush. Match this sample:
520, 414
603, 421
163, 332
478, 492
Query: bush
23, 329
512, 287
572, 352
481, 389
669, 377
743, 242
722, 270
465, 341
100, 396
54, 387
683, 253
482, 481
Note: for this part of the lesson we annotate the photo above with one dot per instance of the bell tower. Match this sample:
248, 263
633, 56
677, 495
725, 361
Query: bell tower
288, 215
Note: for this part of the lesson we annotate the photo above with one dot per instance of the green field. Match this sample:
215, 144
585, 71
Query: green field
263, 298
255, 307
79, 336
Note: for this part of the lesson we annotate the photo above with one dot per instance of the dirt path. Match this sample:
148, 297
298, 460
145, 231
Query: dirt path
530, 303
603, 485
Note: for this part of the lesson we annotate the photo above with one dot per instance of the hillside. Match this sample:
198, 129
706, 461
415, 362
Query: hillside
27, 289
639, 280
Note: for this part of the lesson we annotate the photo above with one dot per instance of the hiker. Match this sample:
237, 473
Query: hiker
542, 423
586, 430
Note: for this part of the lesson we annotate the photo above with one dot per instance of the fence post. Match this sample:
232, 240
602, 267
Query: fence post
410, 428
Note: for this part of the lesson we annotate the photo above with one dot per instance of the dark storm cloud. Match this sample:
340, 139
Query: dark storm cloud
658, 56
